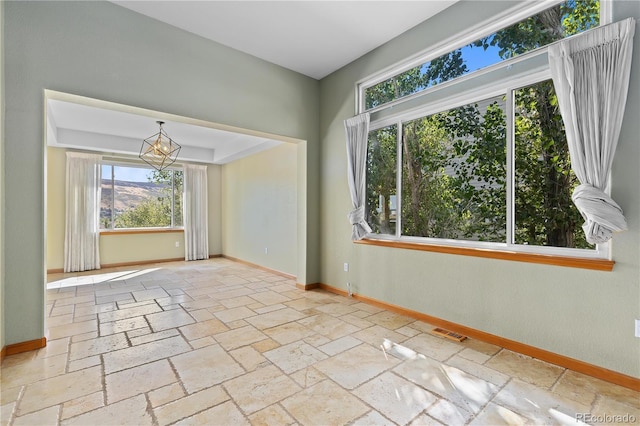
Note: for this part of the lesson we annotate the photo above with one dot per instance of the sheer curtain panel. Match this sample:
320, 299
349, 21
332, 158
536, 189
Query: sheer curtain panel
357, 130
196, 234
591, 75
82, 223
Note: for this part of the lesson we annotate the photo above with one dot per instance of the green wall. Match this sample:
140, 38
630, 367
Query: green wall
259, 197
103, 51
582, 314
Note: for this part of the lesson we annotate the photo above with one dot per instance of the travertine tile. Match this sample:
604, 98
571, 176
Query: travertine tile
539, 405
339, 345
395, 397
272, 415
390, 320
169, 319
142, 354
272, 319
166, 394
239, 337
330, 327
205, 367
269, 297
480, 371
356, 366
294, 356
189, 405
203, 329
466, 391
372, 418
59, 389
97, 346
525, 368
248, 357
584, 389
58, 332
260, 388
220, 328
324, 403
432, 346
223, 414
47, 416
136, 380
119, 326
132, 411
233, 314
82, 405
287, 333
494, 414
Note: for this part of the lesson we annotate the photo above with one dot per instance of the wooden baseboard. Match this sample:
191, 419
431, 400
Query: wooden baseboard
214, 256
512, 345
3, 353
27, 346
264, 268
306, 287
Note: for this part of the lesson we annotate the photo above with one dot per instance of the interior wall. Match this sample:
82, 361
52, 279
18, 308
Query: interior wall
583, 314
2, 310
103, 51
118, 248
259, 214
214, 208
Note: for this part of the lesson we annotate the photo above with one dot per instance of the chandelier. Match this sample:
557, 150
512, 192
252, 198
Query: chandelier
159, 150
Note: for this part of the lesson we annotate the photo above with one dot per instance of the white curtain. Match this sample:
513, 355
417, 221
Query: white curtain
591, 76
82, 225
357, 130
196, 235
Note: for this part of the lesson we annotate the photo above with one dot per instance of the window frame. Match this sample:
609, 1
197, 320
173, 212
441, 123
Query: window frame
146, 229
483, 29
599, 256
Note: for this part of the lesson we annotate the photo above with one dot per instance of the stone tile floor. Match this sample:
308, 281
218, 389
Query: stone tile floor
222, 343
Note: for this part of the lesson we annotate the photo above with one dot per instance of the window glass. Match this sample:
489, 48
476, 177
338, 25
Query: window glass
555, 23
137, 197
544, 180
454, 173
380, 210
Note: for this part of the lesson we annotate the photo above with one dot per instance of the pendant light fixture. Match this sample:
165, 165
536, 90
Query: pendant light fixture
159, 150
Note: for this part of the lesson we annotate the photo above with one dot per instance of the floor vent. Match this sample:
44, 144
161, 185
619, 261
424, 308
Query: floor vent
448, 334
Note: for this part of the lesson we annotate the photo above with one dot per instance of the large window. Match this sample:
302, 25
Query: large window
139, 197
560, 21
486, 164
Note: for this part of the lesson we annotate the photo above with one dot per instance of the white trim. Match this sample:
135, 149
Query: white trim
399, 135
511, 165
503, 20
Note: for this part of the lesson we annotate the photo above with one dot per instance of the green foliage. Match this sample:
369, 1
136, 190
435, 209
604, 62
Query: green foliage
154, 211
454, 162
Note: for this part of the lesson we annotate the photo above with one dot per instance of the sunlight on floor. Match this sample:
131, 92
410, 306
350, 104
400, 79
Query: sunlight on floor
81, 280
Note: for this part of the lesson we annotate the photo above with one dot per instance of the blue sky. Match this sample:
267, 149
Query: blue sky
127, 173
477, 57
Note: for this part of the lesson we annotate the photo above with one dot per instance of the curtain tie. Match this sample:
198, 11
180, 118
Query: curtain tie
602, 215
356, 216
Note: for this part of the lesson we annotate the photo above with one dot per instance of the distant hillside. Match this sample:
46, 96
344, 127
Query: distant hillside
128, 194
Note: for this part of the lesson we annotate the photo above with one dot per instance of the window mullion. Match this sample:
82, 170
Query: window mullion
399, 179
510, 140
173, 197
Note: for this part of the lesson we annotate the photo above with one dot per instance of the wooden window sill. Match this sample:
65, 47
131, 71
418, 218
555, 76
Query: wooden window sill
141, 231
571, 262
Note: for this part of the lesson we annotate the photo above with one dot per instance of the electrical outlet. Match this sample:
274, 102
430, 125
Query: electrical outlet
177, 243
266, 250
638, 328
349, 289
346, 267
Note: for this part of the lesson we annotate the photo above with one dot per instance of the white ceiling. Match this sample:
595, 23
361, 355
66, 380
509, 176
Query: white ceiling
114, 129
314, 38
